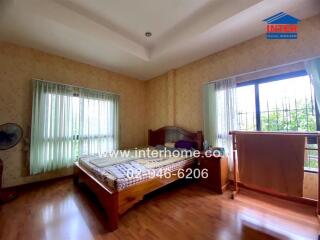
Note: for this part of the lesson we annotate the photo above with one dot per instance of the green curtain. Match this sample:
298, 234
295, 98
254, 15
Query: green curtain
313, 69
209, 103
68, 121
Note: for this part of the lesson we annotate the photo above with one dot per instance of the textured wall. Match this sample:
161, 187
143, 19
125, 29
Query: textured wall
251, 55
18, 65
157, 102
143, 105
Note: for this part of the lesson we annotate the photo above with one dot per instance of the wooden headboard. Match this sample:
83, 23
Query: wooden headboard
173, 134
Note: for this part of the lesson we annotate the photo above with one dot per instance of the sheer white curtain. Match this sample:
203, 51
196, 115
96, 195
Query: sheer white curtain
226, 114
313, 69
98, 122
221, 114
68, 121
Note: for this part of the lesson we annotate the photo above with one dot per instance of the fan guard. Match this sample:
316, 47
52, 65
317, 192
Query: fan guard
10, 135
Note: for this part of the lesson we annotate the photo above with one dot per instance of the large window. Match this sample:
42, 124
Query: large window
281, 103
68, 122
246, 106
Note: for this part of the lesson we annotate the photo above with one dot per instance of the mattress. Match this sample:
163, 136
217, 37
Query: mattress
126, 174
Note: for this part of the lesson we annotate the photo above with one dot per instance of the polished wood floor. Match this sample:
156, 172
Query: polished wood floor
60, 210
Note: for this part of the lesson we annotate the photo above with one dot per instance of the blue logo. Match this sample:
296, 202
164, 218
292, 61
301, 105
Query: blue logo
282, 26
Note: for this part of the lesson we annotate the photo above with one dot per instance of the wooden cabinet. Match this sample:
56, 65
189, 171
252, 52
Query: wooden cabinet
217, 168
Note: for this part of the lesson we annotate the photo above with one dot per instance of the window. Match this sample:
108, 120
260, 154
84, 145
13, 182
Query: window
246, 107
287, 105
280, 103
68, 122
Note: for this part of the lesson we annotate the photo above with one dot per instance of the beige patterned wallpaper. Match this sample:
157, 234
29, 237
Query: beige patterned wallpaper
157, 102
18, 65
174, 98
249, 56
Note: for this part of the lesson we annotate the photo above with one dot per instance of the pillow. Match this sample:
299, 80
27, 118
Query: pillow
170, 144
185, 144
162, 147
159, 147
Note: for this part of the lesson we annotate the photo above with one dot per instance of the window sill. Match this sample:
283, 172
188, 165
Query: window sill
311, 170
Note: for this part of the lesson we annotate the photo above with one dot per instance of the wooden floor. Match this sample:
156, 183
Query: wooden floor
60, 210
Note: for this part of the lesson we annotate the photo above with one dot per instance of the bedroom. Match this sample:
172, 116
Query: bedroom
101, 50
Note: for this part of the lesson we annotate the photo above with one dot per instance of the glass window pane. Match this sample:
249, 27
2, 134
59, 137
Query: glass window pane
311, 160
246, 108
287, 105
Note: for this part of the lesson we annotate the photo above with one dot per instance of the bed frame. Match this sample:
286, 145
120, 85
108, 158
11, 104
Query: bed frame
115, 202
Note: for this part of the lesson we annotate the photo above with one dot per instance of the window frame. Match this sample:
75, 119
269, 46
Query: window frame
76, 136
257, 82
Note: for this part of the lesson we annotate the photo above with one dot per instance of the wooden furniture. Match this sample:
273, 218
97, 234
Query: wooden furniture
237, 183
56, 210
173, 134
5, 195
217, 172
115, 202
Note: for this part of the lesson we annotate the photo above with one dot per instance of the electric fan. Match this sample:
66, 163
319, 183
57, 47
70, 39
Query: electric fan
10, 135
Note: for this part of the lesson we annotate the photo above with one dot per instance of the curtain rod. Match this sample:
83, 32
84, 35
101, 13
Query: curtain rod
69, 85
262, 69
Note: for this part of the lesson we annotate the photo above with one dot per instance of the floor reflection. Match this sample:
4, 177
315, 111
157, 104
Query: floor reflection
62, 211
255, 225
251, 232
63, 220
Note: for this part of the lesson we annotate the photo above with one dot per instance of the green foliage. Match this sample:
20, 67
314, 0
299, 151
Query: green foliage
299, 118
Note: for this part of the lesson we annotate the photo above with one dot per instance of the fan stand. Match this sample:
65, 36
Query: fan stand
6, 195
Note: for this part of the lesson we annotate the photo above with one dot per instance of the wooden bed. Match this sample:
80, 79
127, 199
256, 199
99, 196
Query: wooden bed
116, 202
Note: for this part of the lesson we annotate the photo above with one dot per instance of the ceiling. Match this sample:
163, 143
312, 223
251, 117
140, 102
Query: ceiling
110, 33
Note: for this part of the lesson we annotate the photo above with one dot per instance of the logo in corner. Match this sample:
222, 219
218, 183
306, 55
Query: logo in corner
282, 26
